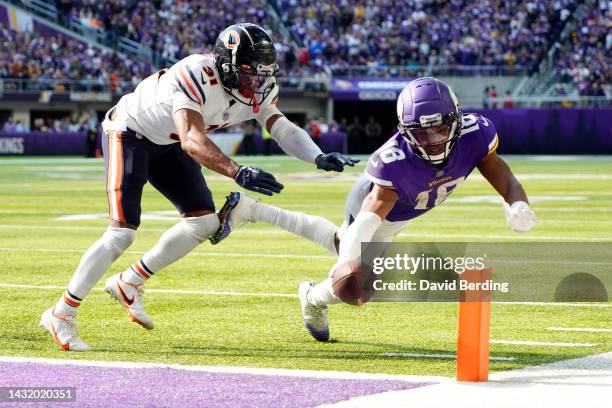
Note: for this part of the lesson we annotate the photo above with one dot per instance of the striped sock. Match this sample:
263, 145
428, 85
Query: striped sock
137, 274
68, 304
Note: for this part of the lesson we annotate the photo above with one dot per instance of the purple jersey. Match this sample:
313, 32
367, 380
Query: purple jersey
421, 186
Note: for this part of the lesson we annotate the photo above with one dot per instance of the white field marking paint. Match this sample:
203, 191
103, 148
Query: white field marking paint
503, 237
440, 356
541, 343
166, 291
281, 372
496, 199
276, 231
603, 305
70, 169
284, 295
552, 176
72, 176
294, 256
103, 216
236, 254
584, 381
52, 161
579, 329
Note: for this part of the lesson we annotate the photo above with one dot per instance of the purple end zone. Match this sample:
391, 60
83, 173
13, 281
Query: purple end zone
168, 387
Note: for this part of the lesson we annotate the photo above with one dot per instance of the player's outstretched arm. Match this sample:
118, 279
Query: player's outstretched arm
295, 141
516, 205
375, 208
190, 127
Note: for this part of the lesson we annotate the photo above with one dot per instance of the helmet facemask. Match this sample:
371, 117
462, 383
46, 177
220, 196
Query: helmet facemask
435, 137
254, 85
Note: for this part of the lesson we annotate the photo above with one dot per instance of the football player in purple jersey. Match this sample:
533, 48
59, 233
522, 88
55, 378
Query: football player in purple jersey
436, 148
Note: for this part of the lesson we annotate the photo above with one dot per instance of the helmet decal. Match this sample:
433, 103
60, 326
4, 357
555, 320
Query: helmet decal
231, 39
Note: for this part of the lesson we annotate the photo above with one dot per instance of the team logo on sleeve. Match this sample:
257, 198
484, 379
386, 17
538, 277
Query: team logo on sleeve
231, 40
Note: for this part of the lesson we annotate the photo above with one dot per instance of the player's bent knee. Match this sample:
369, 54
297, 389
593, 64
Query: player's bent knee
118, 239
201, 228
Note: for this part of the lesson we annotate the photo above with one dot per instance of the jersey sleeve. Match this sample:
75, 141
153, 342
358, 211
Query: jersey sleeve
188, 85
480, 133
490, 139
377, 172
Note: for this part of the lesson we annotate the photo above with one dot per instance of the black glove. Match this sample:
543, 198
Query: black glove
334, 161
258, 180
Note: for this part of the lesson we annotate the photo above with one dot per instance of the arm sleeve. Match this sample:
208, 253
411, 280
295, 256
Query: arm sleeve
188, 90
291, 138
361, 230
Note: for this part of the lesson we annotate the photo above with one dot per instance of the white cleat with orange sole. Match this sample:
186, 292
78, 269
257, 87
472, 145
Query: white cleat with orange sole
130, 297
64, 330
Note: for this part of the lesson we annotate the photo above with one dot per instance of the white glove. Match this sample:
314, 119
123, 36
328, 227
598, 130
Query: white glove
519, 216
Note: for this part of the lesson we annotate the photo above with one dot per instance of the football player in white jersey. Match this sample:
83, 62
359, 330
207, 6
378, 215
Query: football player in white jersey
157, 134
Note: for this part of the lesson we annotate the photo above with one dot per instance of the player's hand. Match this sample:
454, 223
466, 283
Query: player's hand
258, 180
334, 161
519, 216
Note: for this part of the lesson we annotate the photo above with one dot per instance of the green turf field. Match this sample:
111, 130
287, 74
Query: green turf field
573, 198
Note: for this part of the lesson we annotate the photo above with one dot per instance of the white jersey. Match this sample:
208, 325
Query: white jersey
191, 83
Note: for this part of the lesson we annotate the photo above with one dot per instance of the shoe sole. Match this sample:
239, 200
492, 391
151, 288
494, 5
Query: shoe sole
224, 230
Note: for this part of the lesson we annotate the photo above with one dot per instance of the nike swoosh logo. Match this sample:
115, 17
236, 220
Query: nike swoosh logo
128, 301
63, 346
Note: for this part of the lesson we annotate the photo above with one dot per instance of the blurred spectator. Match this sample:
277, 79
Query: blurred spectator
314, 129
248, 141
485, 98
493, 97
356, 136
9, 125
508, 103
373, 131
267, 139
19, 127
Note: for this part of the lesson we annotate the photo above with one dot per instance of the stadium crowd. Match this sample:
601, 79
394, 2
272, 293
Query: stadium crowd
585, 58
424, 32
172, 29
61, 63
338, 35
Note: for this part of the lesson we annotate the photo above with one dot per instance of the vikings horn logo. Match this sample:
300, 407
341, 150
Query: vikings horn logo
232, 39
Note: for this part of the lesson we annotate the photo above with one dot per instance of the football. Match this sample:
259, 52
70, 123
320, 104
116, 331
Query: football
350, 285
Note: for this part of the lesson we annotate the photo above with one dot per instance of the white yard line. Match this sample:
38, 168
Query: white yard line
579, 329
440, 356
580, 382
165, 291
232, 254
541, 343
283, 295
347, 375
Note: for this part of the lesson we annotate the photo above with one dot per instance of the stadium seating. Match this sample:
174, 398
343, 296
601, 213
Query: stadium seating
61, 63
585, 58
344, 38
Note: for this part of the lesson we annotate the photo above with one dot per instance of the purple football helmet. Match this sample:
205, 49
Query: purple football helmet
429, 118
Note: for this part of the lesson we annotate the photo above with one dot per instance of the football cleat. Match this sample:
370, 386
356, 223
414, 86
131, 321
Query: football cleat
315, 317
130, 297
64, 330
234, 214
